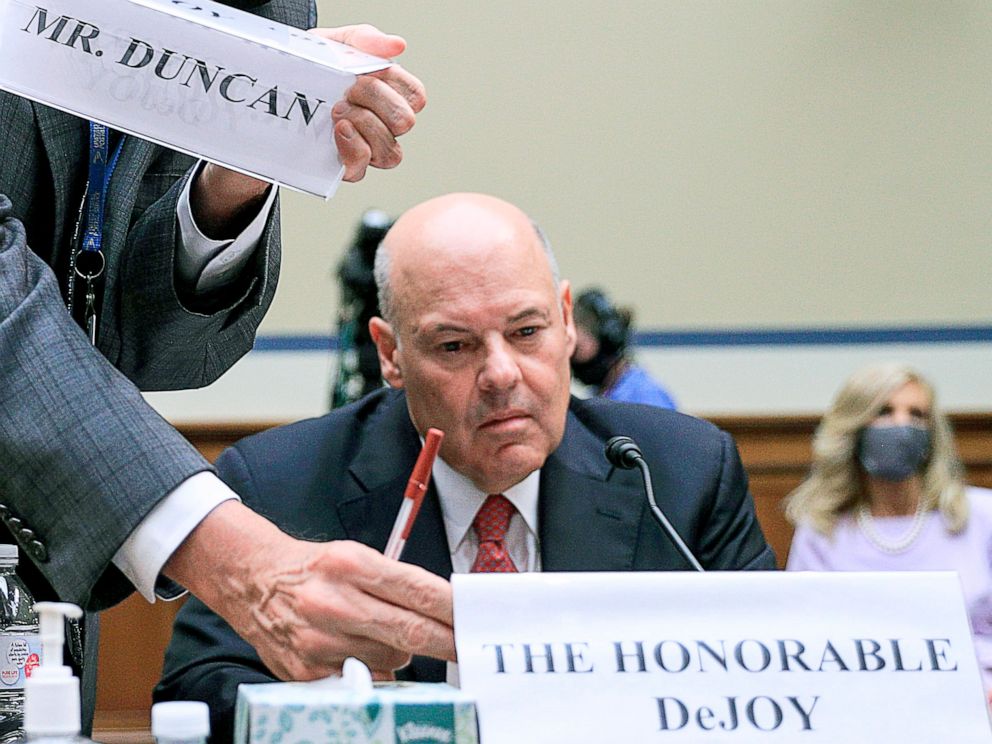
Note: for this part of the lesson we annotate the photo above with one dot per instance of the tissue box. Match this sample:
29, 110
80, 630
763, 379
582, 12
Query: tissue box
199, 77
393, 713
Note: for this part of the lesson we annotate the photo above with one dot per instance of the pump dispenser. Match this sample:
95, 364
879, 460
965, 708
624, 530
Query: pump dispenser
51, 693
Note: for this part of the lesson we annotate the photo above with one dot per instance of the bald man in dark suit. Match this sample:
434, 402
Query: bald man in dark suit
475, 338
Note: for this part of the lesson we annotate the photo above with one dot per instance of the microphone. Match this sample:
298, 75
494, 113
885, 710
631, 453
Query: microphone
623, 453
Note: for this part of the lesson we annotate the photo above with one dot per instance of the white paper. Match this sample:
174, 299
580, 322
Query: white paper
201, 78
593, 696
292, 40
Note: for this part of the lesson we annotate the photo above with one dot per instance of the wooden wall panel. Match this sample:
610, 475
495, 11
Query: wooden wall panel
775, 451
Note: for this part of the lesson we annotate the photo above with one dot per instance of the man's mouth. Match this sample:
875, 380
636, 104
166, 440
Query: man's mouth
504, 420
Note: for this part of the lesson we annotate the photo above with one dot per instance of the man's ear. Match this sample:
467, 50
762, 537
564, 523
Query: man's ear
388, 348
565, 297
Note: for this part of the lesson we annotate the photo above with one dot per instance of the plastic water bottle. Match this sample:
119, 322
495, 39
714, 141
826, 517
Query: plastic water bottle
180, 722
20, 645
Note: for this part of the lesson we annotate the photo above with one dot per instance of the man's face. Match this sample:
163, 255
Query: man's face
484, 338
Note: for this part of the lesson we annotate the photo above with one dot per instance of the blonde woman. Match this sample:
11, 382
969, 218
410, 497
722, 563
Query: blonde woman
885, 494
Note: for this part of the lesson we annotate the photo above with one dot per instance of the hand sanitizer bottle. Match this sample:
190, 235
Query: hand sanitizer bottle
51, 693
181, 722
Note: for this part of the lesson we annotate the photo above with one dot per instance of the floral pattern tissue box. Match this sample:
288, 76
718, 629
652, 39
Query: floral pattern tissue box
329, 712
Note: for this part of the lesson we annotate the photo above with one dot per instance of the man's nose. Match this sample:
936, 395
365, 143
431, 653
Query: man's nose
499, 368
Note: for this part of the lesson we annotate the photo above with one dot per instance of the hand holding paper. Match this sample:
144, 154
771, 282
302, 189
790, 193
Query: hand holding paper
378, 108
183, 76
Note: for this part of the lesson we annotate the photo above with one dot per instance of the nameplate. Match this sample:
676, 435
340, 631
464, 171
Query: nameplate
199, 77
719, 657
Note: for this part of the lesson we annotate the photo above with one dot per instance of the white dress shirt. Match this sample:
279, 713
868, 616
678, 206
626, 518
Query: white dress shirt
206, 265
461, 501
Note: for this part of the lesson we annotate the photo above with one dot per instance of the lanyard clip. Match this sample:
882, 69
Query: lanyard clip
90, 312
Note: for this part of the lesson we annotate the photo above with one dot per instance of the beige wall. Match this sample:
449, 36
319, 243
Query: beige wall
716, 164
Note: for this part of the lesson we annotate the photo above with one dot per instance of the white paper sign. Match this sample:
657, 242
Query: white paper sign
719, 657
199, 77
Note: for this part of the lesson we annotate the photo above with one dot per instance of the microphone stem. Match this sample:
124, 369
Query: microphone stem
663, 520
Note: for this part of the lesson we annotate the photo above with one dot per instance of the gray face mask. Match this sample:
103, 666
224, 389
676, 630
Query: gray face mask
893, 453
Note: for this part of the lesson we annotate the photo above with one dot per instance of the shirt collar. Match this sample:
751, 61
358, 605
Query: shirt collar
461, 500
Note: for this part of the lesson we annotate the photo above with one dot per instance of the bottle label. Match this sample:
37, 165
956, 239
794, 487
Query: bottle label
19, 656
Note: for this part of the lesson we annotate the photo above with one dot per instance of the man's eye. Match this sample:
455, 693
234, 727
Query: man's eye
886, 411
451, 346
528, 331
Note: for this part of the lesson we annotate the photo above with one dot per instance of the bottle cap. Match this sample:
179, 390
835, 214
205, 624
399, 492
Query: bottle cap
183, 719
51, 693
8, 553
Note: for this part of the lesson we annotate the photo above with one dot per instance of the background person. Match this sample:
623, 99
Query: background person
101, 494
885, 494
358, 370
602, 358
475, 338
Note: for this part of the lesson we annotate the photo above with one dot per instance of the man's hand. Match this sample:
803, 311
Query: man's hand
378, 108
307, 606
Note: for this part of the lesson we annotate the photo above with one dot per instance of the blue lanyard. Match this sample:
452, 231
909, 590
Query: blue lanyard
88, 262
96, 187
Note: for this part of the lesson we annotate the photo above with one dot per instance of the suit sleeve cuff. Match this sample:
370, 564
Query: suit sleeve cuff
157, 536
205, 265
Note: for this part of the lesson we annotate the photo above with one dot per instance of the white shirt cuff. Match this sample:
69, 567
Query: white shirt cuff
157, 536
204, 264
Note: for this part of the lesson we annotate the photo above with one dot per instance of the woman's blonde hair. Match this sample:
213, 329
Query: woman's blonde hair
836, 482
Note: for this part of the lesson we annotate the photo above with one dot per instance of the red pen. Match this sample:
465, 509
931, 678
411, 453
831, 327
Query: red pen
413, 497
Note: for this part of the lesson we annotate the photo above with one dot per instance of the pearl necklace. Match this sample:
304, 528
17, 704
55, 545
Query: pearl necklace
892, 547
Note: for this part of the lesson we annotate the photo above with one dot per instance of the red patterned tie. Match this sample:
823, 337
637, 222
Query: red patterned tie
490, 525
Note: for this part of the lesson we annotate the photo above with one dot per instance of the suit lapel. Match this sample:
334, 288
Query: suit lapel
64, 139
428, 543
66, 142
381, 469
124, 188
590, 514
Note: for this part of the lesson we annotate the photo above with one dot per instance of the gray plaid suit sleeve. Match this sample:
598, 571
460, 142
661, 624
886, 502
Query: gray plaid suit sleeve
82, 457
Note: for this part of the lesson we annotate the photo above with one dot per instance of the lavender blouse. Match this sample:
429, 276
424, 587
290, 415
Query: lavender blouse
969, 553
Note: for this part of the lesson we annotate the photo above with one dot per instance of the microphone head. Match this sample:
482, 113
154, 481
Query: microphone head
623, 452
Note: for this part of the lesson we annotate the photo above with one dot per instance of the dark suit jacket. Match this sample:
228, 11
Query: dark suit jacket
342, 476
84, 458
